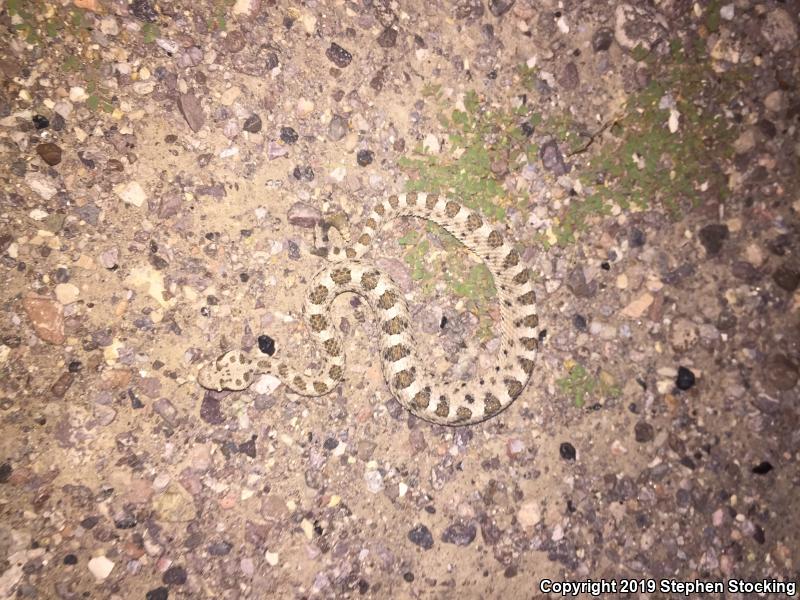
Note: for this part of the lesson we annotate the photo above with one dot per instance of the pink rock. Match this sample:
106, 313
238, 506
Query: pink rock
47, 318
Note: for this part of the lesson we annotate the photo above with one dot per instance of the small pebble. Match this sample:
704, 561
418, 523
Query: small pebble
567, 451
460, 534
175, 575
289, 135
266, 344
159, 593
365, 157
762, 468
338, 55
421, 536
685, 379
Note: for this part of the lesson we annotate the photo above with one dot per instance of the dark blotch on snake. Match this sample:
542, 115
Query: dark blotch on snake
341, 276
422, 398
443, 407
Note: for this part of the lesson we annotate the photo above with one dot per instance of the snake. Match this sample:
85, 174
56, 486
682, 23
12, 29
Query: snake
404, 363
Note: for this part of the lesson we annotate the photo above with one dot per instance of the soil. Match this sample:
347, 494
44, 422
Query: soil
163, 167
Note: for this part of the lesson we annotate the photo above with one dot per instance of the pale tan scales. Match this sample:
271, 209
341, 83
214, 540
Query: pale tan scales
425, 395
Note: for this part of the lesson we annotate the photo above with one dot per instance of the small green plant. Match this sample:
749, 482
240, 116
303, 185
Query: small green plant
484, 145
644, 164
580, 385
150, 32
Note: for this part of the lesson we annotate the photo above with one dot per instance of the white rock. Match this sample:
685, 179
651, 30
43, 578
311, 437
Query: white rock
305, 107
109, 26
42, 185
338, 174
775, 101
63, 108
309, 22
168, 45
230, 95
131, 193
266, 384
431, 144
4, 352
37, 214
67, 293
143, 88
726, 12
246, 7
271, 558
673, 121
78, 94
529, 514
100, 567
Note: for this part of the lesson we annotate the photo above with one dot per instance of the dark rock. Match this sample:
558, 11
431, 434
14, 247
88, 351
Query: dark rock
579, 322
762, 468
330, 443
551, 158
305, 173
175, 575
567, 451
743, 270
460, 534
780, 373
644, 432
70, 559
570, 79
388, 38
191, 110
421, 536
365, 157
210, 410
58, 123
636, 238
5, 472
159, 593
338, 55
500, 7
40, 122
787, 277
289, 135
62, 384
143, 10
271, 61
767, 128
220, 548
679, 274
601, 40
576, 282
712, 236
158, 262
252, 124
248, 448
685, 379
50, 153
266, 344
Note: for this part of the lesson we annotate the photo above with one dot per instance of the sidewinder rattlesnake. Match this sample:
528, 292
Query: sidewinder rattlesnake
425, 395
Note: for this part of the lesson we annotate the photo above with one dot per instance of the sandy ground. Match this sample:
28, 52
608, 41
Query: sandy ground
162, 167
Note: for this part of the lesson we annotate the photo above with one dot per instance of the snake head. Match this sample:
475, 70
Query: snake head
234, 370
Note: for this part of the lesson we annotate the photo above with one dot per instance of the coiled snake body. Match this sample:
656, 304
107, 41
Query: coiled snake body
424, 394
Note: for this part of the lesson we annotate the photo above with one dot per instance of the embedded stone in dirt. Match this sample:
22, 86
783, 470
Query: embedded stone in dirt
47, 318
